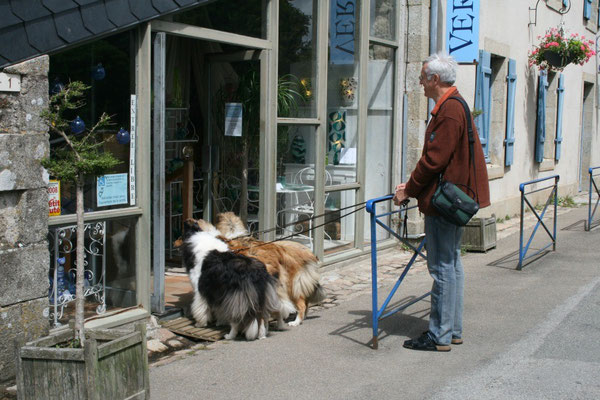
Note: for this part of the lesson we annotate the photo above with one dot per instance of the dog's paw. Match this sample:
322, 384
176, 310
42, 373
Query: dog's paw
200, 324
229, 336
295, 322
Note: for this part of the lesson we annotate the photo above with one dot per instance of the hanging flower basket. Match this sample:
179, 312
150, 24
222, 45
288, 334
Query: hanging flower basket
555, 50
557, 60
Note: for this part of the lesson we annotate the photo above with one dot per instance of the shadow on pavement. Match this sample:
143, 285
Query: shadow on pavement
407, 323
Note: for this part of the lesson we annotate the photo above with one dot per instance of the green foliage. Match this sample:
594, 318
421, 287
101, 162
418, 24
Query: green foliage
79, 155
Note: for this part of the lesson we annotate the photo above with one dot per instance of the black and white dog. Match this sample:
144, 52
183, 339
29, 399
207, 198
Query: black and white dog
231, 288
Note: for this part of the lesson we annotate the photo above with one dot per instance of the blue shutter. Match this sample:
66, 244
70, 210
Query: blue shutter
587, 9
483, 97
509, 142
559, 112
540, 131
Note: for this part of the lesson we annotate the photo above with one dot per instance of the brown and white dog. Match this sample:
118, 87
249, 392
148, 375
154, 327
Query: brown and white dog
292, 263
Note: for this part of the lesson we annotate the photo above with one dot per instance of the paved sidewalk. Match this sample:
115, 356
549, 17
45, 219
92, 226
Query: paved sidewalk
343, 284
530, 334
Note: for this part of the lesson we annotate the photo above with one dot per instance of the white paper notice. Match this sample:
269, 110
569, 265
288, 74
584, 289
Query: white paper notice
132, 150
233, 119
348, 156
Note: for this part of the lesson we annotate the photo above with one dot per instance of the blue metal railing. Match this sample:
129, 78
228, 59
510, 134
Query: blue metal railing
553, 197
377, 312
593, 185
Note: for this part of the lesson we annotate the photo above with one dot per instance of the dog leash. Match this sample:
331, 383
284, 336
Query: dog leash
307, 219
362, 205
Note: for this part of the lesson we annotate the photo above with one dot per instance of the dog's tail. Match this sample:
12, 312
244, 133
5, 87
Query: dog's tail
306, 284
317, 296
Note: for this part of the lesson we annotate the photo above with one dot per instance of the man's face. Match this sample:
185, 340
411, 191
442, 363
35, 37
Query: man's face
428, 85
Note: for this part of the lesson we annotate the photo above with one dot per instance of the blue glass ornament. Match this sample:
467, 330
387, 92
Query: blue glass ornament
77, 125
123, 136
98, 73
57, 87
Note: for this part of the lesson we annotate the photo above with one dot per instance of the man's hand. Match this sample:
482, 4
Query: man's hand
400, 197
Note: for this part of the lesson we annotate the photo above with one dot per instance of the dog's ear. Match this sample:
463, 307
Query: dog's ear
190, 225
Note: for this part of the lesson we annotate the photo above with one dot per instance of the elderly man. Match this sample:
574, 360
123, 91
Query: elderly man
446, 153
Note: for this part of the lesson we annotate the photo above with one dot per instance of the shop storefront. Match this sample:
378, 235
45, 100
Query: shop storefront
284, 112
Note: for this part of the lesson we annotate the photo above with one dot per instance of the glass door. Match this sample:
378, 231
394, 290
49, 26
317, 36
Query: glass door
205, 140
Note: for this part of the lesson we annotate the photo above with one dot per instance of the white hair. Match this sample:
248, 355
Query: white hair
442, 65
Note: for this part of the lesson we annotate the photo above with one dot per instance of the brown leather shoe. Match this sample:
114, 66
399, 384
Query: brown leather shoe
456, 341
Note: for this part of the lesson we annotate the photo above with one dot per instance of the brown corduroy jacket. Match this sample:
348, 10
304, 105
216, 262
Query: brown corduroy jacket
446, 150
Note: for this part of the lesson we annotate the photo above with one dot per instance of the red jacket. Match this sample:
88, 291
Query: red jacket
447, 148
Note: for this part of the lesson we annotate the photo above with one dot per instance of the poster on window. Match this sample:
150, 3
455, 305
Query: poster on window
53, 198
233, 119
462, 30
111, 190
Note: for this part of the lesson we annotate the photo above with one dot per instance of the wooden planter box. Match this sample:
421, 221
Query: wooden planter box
480, 234
113, 365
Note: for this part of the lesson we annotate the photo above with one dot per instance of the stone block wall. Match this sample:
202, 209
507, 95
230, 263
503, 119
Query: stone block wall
418, 51
24, 258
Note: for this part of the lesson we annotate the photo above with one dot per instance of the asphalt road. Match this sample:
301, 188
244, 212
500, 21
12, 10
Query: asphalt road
530, 334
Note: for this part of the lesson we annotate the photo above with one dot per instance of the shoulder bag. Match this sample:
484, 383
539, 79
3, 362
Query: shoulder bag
449, 200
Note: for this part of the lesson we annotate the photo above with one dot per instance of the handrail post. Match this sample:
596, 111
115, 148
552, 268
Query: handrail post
375, 314
555, 211
588, 226
520, 265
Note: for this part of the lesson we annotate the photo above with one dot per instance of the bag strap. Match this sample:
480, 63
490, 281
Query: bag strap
471, 140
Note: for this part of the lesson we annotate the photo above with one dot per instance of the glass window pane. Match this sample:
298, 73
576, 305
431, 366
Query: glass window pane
297, 58
105, 66
295, 181
383, 19
339, 227
237, 16
109, 264
380, 128
342, 90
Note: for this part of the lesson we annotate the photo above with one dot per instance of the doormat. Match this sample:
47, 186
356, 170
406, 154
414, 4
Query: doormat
185, 327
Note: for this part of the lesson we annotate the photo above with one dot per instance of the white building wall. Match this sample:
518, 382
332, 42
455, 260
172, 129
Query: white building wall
507, 27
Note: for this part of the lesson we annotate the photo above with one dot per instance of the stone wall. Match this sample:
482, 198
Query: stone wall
24, 258
417, 52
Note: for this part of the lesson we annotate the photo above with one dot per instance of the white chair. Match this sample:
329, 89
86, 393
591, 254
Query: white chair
226, 193
297, 219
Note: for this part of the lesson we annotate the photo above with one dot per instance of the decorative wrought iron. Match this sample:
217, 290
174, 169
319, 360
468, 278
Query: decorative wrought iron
62, 241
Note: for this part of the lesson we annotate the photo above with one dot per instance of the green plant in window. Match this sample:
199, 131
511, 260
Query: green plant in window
79, 155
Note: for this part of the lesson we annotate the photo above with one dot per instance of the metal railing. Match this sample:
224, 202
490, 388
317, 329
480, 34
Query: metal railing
380, 313
553, 197
588, 225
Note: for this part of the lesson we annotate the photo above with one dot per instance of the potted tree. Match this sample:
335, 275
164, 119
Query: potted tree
97, 364
556, 50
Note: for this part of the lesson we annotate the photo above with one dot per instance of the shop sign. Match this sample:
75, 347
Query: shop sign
10, 82
111, 189
53, 198
233, 119
462, 30
342, 31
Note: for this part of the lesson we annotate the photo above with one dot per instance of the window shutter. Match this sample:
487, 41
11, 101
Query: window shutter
509, 142
559, 112
587, 9
483, 100
540, 131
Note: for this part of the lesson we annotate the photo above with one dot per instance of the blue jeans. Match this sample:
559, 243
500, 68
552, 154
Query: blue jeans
445, 267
